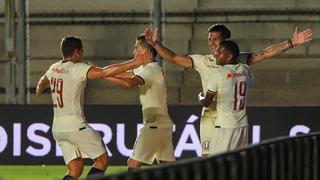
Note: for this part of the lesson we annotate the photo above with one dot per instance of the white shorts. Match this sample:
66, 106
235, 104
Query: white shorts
206, 133
226, 139
153, 143
85, 143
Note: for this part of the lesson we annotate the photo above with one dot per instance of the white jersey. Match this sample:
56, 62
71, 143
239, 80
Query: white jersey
231, 84
153, 95
206, 65
67, 83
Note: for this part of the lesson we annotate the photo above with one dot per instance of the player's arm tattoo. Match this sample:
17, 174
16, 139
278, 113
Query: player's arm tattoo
270, 51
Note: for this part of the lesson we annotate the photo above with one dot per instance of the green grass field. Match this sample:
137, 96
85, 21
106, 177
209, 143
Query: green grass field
45, 172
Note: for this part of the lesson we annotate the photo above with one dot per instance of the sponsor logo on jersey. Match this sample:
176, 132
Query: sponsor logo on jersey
59, 71
236, 75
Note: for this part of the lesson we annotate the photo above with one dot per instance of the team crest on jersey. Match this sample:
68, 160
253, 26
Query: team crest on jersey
205, 145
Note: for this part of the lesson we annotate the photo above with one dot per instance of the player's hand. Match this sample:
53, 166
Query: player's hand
140, 58
151, 37
200, 96
301, 37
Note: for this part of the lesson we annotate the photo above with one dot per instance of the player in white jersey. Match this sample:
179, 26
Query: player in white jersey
67, 80
229, 87
205, 65
155, 139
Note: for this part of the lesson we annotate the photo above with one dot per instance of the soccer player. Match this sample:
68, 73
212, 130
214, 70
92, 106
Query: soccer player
229, 87
67, 80
155, 139
205, 65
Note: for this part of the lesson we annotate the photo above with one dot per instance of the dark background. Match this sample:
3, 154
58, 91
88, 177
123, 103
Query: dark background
274, 122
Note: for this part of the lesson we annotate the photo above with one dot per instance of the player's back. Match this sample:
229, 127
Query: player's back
67, 83
232, 95
206, 65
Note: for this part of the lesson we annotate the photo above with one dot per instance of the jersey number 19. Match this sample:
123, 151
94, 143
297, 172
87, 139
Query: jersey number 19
240, 90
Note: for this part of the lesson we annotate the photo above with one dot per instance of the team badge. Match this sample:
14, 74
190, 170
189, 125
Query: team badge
205, 145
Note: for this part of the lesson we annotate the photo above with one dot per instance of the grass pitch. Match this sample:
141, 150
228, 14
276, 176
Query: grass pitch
45, 172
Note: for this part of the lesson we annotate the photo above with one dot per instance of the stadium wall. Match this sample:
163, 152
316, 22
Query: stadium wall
108, 29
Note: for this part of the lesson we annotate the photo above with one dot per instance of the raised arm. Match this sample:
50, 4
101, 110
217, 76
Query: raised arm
43, 85
297, 39
181, 60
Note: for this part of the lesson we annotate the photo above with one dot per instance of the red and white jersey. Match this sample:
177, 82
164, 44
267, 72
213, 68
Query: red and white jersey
67, 83
206, 65
231, 83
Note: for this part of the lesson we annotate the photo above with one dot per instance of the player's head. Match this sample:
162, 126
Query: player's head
227, 52
71, 47
142, 46
216, 34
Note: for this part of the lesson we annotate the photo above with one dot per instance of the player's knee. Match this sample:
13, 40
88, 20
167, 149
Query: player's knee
75, 168
133, 163
130, 162
102, 162
75, 172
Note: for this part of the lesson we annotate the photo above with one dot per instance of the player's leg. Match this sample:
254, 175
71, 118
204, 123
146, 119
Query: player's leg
144, 149
71, 156
72, 159
206, 134
75, 169
220, 141
133, 164
91, 145
226, 139
100, 165
165, 154
239, 138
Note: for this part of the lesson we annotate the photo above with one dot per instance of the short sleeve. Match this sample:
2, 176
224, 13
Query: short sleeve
134, 71
80, 71
243, 58
213, 82
197, 61
145, 74
48, 73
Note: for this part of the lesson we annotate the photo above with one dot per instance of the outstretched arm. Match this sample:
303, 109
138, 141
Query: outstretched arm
181, 60
114, 69
126, 82
111, 70
297, 39
43, 85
